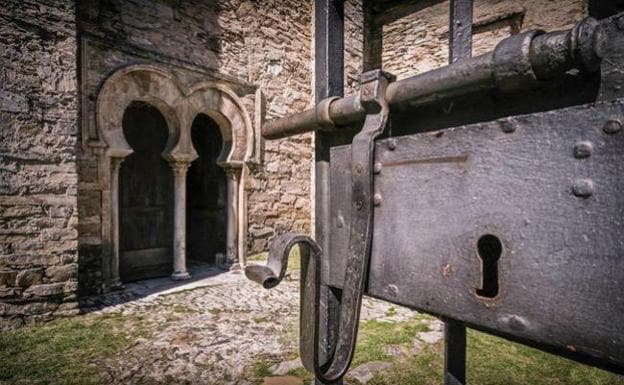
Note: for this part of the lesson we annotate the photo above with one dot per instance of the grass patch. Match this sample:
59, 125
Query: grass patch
491, 360
495, 361
375, 335
60, 352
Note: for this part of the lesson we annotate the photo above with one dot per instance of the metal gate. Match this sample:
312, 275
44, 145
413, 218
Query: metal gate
504, 214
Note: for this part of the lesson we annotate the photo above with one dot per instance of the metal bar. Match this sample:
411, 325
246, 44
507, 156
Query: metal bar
460, 27
518, 61
329, 81
373, 39
460, 47
454, 353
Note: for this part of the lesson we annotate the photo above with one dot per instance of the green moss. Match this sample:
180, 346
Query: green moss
60, 352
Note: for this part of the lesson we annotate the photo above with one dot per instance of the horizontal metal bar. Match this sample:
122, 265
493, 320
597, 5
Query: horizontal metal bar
517, 62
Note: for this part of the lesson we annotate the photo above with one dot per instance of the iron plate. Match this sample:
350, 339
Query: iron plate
549, 186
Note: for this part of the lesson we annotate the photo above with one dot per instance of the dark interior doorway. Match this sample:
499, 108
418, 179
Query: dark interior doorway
145, 197
206, 199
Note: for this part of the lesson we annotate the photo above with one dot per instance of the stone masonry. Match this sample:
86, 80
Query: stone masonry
54, 193
38, 146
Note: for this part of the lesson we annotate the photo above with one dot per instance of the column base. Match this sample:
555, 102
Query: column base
115, 284
180, 276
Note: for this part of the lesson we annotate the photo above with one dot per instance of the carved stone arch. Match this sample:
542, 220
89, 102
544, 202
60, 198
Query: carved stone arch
179, 106
144, 83
222, 105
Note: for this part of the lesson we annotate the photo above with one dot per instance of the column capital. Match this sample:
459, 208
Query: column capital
116, 162
179, 167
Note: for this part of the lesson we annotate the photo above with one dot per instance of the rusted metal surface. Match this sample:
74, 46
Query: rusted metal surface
373, 88
558, 217
517, 62
511, 226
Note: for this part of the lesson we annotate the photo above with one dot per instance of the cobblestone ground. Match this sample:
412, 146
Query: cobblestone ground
212, 331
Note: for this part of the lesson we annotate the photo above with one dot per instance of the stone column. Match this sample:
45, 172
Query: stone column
179, 221
114, 282
231, 257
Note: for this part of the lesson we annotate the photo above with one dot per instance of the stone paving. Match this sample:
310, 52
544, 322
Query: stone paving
211, 330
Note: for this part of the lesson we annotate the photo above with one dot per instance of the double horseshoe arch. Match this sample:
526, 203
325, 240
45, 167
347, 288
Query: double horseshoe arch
179, 106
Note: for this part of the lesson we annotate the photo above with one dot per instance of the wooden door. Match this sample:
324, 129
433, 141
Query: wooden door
146, 197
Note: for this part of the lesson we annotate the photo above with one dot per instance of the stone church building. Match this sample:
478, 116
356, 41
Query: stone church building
130, 141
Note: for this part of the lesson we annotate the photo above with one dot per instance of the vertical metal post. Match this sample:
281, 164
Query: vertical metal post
460, 47
373, 39
454, 353
460, 30
329, 81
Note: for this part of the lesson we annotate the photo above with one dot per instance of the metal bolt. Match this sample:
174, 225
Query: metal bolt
392, 144
377, 199
612, 126
583, 149
340, 221
377, 167
507, 126
393, 289
583, 188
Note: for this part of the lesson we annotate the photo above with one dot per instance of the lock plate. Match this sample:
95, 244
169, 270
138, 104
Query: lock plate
548, 187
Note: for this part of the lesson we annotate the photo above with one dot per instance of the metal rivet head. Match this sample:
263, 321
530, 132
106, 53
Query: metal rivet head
377, 167
507, 126
357, 169
612, 126
359, 205
583, 149
583, 188
340, 221
377, 199
391, 144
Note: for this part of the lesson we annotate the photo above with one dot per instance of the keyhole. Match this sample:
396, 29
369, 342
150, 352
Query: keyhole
489, 249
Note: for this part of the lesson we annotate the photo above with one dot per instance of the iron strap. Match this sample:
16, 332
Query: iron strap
372, 93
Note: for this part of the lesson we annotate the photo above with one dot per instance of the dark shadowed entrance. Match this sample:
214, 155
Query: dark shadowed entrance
146, 197
206, 194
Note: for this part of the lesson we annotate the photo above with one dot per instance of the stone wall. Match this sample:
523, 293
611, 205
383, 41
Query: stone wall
244, 44
38, 184
419, 42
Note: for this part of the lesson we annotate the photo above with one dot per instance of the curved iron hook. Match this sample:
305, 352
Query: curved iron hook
372, 98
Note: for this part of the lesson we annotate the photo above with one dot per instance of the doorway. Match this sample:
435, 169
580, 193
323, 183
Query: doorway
206, 195
145, 197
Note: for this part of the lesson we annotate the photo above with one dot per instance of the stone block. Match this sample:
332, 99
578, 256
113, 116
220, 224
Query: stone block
7, 277
62, 273
45, 290
27, 278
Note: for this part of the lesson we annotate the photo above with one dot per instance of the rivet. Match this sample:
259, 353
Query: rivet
582, 149
391, 144
612, 126
359, 205
583, 188
340, 221
393, 289
377, 199
620, 22
377, 167
507, 126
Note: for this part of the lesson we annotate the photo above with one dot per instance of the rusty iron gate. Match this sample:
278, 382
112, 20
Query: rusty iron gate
488, 192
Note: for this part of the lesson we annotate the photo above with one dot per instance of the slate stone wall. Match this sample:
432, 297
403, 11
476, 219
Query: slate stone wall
38, 182
266, 44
